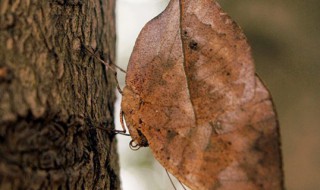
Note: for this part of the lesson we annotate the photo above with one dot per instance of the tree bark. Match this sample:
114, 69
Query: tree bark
53, 94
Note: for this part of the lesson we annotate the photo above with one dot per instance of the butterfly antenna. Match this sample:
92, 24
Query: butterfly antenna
182, 185
171, 180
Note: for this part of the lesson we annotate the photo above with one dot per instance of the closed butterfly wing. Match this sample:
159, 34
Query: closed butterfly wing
192, 96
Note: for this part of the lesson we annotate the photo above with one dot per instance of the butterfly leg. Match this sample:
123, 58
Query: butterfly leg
108, 66
120, 132
123, 131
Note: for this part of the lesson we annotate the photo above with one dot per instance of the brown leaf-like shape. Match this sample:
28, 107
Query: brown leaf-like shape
192, 95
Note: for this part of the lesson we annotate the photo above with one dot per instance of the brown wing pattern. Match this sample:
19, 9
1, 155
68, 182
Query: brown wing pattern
192, 94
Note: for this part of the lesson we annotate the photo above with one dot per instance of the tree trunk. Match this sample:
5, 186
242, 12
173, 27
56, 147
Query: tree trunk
53, 94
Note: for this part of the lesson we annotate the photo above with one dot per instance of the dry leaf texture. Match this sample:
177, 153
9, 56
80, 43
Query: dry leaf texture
192, 95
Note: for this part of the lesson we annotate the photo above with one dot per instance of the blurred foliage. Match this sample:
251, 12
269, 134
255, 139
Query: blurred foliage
285, 45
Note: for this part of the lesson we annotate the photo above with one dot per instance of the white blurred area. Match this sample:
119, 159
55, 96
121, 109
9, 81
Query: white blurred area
138, 169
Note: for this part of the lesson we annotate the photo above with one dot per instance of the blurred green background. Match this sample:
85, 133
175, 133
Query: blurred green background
286, 48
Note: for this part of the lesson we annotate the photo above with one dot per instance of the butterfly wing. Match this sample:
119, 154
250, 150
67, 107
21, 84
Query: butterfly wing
192, 93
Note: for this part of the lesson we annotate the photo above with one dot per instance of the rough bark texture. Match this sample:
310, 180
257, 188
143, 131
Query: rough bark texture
52, 95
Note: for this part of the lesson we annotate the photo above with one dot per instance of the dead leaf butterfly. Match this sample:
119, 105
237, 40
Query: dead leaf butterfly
193, 97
